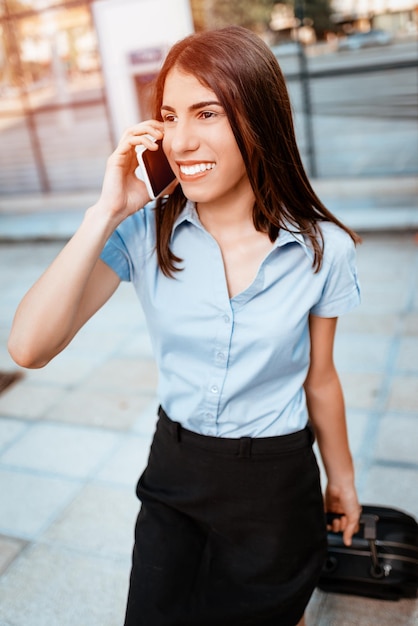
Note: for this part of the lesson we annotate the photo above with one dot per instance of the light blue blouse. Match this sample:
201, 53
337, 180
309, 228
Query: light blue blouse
233, 367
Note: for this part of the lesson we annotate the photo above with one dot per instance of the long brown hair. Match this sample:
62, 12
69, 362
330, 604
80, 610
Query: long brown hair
244, 74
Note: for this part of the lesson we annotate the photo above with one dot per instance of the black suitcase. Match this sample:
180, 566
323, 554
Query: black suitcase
382, 561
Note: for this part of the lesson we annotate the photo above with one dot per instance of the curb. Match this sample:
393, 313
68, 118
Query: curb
379, 204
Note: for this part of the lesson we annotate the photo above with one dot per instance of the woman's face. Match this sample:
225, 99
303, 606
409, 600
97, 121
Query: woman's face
199, 143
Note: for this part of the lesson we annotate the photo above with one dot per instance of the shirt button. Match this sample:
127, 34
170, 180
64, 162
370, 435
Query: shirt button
214, 389
227, 319
221, 356
209, 416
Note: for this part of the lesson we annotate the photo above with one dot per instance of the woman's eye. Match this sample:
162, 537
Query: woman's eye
206, 115
169, 118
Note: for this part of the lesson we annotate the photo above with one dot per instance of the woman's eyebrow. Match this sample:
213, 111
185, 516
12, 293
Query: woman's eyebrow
194, 107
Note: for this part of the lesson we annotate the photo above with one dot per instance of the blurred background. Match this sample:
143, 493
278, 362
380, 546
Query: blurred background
74, 437
74, 74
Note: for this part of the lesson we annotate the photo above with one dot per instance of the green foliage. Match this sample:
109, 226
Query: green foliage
319, 11
256, 14
217, 13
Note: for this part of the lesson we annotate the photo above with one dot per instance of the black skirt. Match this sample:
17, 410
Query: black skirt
230, 531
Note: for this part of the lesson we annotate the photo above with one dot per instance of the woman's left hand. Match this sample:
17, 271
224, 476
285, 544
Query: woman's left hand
344, 501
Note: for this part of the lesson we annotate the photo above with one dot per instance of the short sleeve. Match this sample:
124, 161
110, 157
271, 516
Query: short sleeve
131, 244
116, 255
341, 289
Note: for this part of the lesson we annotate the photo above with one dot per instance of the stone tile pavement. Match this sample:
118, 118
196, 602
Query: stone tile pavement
74, 438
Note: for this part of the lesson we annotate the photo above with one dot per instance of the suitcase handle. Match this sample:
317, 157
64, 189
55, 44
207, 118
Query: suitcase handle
369, 523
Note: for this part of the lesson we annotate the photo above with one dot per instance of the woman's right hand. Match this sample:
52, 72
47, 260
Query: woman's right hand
122, 192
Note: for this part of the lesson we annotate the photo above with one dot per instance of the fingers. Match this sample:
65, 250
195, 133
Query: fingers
348, 525
343, 500
144, 133
351, 527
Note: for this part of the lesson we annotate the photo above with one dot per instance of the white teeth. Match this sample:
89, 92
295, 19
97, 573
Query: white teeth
190, 170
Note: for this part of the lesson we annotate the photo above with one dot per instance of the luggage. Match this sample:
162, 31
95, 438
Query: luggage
382, 561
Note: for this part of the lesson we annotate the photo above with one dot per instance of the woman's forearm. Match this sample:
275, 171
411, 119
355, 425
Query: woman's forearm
54, 308
327, 414
326, 408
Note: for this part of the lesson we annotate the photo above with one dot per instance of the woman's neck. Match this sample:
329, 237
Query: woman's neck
235, 214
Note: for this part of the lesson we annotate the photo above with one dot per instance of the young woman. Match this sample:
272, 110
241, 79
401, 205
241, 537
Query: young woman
242, 273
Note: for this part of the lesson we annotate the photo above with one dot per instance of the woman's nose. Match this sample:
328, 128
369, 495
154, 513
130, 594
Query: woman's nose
183, 139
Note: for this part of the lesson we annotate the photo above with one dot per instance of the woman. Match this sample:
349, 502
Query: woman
242, 273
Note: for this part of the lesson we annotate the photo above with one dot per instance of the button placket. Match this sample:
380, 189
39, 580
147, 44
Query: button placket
219, 366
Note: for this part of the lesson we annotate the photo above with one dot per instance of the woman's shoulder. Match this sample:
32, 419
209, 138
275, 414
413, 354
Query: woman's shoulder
332, 232
337, 242
338, 273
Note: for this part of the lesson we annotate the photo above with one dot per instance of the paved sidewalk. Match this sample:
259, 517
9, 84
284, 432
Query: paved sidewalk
75, 436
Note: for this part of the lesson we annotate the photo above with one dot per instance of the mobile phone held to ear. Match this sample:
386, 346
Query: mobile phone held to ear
154, 170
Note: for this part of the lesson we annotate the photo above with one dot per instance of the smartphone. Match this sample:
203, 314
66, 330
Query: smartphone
154, 169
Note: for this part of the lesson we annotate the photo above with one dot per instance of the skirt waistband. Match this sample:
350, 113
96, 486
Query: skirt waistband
242, 446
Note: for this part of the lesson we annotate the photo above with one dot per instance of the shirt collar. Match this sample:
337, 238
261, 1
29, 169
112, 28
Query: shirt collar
289, 235
188, 214
285, 236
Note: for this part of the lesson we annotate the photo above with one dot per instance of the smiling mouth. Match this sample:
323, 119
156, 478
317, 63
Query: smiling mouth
198, 168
